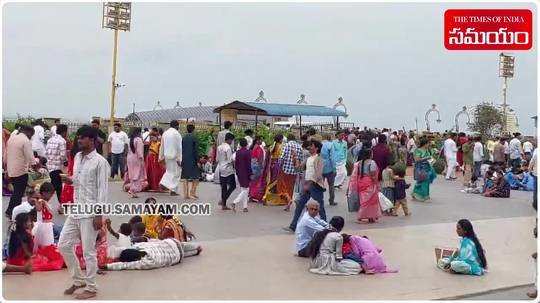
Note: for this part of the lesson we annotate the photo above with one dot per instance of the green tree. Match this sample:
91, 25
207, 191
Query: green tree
487, 120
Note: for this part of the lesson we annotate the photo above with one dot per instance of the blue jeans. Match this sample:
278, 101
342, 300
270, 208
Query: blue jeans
476, 169
316, 194
330, 178
117, 161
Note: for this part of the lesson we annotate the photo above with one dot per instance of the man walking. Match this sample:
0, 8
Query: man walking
56, 157
90, 173
118, 141
19, 156
226, 169
329, 168
170, 151
450, 153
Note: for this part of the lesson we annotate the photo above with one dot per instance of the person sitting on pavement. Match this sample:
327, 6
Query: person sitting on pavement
154, 254
139, 231
309, 224
500, 189
469, 259
326, 252
122, 236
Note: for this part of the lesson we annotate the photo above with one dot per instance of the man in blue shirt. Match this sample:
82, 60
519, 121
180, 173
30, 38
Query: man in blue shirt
309, 224
328, 155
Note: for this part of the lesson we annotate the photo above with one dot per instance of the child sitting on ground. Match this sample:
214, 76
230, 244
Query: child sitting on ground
21, 243
138, 233
400, 194
38, 173
123, 237
207, 174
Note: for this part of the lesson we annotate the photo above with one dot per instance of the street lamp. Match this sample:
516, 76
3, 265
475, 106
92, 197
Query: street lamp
116, 16
506, 70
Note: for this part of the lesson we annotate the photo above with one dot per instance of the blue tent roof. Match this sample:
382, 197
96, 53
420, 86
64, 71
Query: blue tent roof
284, 110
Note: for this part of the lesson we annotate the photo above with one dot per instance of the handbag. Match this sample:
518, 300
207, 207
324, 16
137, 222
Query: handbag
353, 198
420, 174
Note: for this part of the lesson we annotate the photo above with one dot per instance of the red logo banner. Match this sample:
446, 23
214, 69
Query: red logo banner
488, 29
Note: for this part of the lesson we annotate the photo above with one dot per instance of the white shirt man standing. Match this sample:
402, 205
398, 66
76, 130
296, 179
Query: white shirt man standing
478, 156
170, 152
226, 169
90, 184
515, 151
450, 153
118, 141
38, 139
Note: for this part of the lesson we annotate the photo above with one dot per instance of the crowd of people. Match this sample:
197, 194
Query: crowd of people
35, 173
291, 171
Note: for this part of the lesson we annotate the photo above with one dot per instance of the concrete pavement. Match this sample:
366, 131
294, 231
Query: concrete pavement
248, 256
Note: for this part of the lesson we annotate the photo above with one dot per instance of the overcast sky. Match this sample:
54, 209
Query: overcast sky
388, 60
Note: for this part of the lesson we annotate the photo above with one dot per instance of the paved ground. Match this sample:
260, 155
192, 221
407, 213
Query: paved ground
514, 293
252, 249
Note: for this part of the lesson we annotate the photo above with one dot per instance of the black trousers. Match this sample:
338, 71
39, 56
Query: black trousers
19, 186
228, 185
304, 252
56, 182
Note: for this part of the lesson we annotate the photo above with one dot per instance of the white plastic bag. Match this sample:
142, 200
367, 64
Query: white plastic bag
385, 203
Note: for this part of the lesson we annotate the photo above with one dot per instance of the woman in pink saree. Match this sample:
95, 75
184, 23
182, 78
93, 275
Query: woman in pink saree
135, 163
258, 184
364, 180
370, 254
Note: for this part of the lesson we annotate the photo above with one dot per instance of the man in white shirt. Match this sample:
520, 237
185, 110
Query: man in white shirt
307, 226
478, 156
90, 186
56, 157
515, 151
528, 148
118, 147
38, 139
170, 152
450, 153
226, 169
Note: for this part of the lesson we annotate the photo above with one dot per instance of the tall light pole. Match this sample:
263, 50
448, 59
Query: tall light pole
116, 16
506, 70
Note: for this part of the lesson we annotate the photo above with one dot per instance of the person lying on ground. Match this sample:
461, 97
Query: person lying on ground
122, 236
154, 254
469, 259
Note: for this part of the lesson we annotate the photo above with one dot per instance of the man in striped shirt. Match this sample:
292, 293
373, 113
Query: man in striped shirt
291, 156
90, 183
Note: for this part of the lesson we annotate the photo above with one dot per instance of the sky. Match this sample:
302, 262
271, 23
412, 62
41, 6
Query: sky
386, 60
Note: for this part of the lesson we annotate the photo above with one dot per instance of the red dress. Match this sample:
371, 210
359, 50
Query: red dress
461, 141
67, 190
154, 170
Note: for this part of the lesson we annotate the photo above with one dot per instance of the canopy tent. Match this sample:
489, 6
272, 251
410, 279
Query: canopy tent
278, 109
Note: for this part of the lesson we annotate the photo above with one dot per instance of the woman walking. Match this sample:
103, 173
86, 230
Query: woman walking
190, 168
258, 183
364, 179
154, 169
423, 171
135, 163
